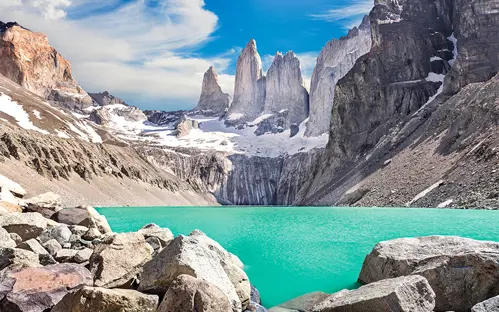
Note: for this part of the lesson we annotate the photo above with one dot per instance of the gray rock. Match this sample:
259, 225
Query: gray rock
91, 234
255, 307
83, 255
119, 259
78, 230
187, 294
255, 295
155, 243
28, 290
84, 216
489, 305
66, 255
6, 240
15, 258
461, 271
105, 98
34, 246
97, 299
302, 303
212, 101
47, 204
52, 246
165, 236
15, 237
404, 294
26, 225
60, 233
185, 126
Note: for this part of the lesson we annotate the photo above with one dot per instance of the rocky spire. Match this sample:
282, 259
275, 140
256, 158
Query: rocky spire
285, 90
27, 58
249, 90
105, 98
334, 62
212, 99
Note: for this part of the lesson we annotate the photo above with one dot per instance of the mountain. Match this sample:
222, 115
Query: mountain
104, 98
212, 99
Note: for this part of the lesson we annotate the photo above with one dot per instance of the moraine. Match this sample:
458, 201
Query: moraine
289, 252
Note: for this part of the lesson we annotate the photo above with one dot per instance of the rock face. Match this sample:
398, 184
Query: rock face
188, 294
490, 305
83, 216
212, 101
26, 225
29, 60
199, 256
411, 293
104, 98
46, 204
249, 90
462, 272
97, 299
334, 62
28, 290
185, 126
285, 90
112, 114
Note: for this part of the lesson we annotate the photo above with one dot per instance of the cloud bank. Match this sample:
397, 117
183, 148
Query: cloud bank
349, 16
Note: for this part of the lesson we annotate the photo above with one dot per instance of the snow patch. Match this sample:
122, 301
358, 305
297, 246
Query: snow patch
12, 108
14, 187
260, 119
235, 116
445, 203
62, 134
425, 192
37, 114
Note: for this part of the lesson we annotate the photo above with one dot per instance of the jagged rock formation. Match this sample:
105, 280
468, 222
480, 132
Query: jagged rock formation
285, 90
29, 60
249, 90
334, 62
185, 126
107, 113
212, 101
104, 98
392, 127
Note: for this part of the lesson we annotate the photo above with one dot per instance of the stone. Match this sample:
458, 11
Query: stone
60, 233
155, 243
285, 90
404, 294
26, 225
255, 295
52, 246
187, 294
34, 246
249, 90
212, 100
47, 204
489, 305
66, 255
5, 240
28, 290
91, 234
83, 255
104, 98
165, 236
201, 257
84, 216
16, 238
334, 62
185, 125
119, 259
78, 230
15, 258
302, 303
461, 271
96, 299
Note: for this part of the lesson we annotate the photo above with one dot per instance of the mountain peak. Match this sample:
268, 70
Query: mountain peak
5, 26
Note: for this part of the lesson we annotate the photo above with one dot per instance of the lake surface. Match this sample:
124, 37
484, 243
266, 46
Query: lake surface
292, 251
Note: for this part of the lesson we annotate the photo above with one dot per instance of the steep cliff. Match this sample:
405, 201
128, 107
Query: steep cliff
285, 90
29, 60
212, 100
104, 98
334, 62
249, 89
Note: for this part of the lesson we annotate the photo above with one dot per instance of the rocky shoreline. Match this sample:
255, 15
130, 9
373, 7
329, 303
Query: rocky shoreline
69, 260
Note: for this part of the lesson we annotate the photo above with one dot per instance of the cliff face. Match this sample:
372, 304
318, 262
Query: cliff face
212, 100
285, 90
334, 62
104, 98
249, 90
29, 60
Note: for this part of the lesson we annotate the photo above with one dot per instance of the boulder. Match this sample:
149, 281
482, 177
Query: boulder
119, 259
185, 126
255, 307
489, 305
39, 289
164, 235
14, 258
52, 246
255, 295
26, 225
34, 246
16, 238
302, 303
91, 234
84, 216
404, 294
78, 230
187, 294
47, 204
60, 233
83, 255
201, 257
461, 271
97, 299
66, 255
6, 207
5, 240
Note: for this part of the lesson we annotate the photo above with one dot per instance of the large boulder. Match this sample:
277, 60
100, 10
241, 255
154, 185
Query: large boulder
34, 246
61, 233
119, 259
15, 258
461, 271
5, 240
201, 257
302, 303
403, 294
39, 289
489, 305
97, 299
187, 294
26, 225
84, 216
165, 236
47, 204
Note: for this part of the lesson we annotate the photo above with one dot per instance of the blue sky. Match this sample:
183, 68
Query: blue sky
153, 53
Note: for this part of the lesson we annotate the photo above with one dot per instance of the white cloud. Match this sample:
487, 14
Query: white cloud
349, 16
133, 49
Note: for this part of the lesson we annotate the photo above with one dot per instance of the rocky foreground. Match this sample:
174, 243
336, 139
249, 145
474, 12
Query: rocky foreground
69, 260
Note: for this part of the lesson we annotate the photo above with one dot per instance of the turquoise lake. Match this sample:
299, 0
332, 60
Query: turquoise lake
292, 251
